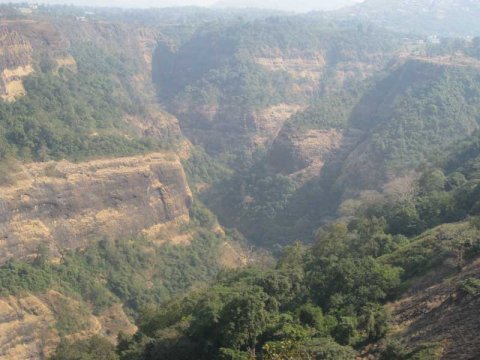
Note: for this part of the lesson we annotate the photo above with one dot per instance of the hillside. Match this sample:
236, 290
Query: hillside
86, 246
442, 297
394, 278
63, 205
445, 18
239, 184
232, 86
96, 215
386, 128
297, 6
69, 91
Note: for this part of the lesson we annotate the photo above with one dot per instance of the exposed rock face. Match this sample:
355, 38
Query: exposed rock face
269, 121
294, 153
308, 67
19, 41
63, 205
11, 81
15, 63
221, 129
28, 324
15, 50
302, 155
224, 125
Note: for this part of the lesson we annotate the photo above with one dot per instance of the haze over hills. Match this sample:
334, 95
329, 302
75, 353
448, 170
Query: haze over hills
287, 5
121, 3
442, 17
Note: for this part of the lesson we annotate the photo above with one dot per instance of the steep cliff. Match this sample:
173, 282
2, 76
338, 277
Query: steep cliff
62, 205
84, 244
302, 155
15, 63
232, 87
87, 240
29, 324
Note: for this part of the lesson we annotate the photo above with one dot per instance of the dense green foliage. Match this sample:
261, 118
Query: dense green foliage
303, 304
323, 301
439, 213
436, 111
253, 199
74, 114
134, 272
328, 112
319, 302
95, 348
201, 168
330, 294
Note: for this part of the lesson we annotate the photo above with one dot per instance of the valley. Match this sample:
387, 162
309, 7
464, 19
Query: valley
238, 184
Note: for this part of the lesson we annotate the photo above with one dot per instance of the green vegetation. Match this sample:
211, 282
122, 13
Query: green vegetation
303, 306
428, 116
132, 271
321, 301
253, 199
328, 112
396, 351
470, 286
200, 168
318, 302
95, 348
76, 113
218, 70
71, 317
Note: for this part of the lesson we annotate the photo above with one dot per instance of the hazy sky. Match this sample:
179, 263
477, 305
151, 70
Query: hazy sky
281, 4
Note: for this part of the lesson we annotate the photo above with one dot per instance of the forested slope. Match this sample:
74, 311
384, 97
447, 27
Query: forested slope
340, 158
392, 279
97, 219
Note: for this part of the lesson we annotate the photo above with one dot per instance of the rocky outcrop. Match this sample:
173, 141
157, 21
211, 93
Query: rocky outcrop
64, 205
269, 121
11, 82
292, 154
306, 67
15, 63
30, 325
302, 155
15, 50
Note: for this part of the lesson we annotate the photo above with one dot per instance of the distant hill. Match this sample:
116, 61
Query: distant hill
287, 5
440, 17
